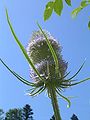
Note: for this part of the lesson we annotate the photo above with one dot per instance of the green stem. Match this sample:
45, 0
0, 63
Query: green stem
55, 103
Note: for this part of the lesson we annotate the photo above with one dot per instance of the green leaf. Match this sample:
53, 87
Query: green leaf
89, 25
21, 46
84, 4
68, 2
58, 6
76, 11
51, 49
48, 10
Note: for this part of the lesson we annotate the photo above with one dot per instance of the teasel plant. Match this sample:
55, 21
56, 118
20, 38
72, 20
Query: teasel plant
47, 67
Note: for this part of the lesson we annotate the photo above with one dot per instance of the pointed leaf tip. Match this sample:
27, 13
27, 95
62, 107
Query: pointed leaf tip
48, 10
89, 25
58, 6
68, 2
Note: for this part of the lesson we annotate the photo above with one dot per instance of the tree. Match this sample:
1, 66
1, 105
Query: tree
24, 113
14, 114
1, 114
53, 118
74, 117
27, 112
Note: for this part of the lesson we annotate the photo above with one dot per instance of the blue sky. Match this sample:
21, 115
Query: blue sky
74, 37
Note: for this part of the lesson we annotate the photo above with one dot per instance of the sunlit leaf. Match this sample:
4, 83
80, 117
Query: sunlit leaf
58, 6
76, 11
68, 2
48, 10
89, 25
84, 4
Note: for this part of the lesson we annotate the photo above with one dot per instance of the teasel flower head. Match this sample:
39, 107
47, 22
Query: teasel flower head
38, 49
39, 52
42, 58
48, 69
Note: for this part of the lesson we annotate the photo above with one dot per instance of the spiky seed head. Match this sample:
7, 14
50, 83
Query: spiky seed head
38, 49
41, 56
43, 66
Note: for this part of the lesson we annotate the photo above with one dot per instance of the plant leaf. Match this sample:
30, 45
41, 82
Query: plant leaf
48, 10
21, 46
58, 6
68, 2
76, 11
84, 4
89, 25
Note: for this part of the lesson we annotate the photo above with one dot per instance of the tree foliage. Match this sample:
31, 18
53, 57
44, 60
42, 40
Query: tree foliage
57, 7
27, 112
14, 114
1, 114
53, 118
24, 113
74, 117
83, 4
